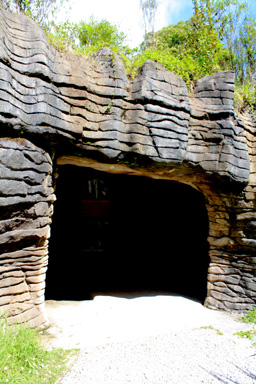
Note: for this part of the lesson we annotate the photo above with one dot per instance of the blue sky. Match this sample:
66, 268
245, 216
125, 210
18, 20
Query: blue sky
185, 11
127, 14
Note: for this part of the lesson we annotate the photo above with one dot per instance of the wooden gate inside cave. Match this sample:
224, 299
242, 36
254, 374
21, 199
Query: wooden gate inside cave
121, 233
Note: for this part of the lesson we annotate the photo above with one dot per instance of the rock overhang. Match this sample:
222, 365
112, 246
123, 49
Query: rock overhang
92, 104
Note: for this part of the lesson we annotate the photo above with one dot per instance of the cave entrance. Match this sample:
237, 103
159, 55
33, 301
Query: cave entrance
120, 233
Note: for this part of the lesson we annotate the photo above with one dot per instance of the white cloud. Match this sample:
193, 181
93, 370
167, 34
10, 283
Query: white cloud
162, 13
175, 10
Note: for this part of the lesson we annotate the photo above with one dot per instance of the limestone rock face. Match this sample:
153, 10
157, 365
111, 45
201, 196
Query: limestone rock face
54, 105
26, 197
94, 105
217, 137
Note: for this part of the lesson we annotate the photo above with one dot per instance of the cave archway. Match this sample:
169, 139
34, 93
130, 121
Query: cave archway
120, 233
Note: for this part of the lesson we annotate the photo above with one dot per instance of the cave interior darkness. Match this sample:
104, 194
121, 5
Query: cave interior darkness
121, 233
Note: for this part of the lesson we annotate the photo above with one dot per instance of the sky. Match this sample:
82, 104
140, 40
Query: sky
127, 15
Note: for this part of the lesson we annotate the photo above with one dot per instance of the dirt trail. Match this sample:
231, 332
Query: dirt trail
108, 319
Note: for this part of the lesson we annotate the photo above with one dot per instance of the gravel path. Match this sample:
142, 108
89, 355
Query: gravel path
153, 340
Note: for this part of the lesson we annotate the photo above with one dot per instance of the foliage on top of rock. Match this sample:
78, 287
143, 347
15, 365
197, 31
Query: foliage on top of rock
220, 35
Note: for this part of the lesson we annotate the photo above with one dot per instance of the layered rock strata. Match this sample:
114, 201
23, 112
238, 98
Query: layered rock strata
26, 197
64, 105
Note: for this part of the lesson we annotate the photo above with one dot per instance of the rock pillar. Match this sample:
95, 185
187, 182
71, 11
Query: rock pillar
26, 197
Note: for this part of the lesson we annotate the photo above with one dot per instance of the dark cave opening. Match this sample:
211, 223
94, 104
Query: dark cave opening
120, 233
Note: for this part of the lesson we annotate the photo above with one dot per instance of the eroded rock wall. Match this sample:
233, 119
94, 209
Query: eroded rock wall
93, 104
26, 197
67, 105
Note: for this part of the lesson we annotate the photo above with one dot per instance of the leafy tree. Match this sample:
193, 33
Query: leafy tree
39, 10
99, 34
173, 37
216, 14
242, 49
229, 21
63, 36
220, 35
203, 39
193, 48
86, 38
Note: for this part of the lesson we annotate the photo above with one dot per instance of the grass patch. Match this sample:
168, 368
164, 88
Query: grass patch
212, 328
246, 334
250, 317
245, 96
24, 359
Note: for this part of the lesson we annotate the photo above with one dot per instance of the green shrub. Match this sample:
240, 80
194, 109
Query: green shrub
23, 358
246, 334
250, 317
245, 96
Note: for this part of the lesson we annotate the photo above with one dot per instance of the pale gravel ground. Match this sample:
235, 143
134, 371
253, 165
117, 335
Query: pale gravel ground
151, 340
